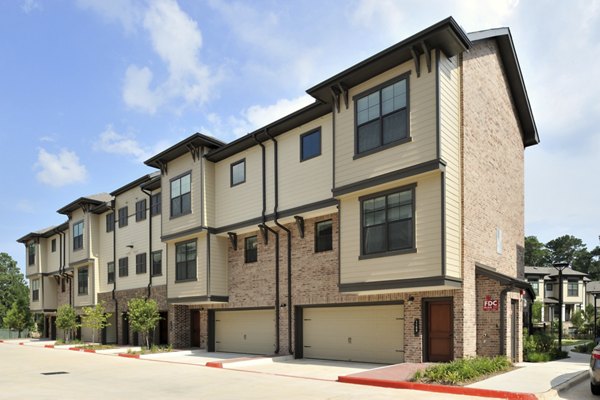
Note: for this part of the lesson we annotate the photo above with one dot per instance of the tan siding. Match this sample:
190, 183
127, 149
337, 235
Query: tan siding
449, 81
193, 288
51, 260
218, 265
425, 262
243, 201
157, 245
84, 300
422, 130
176, 168
81, 254
209, 193
50, 293
105, 253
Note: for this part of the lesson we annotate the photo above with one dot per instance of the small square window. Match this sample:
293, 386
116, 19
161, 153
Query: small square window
323, 236
251, 249
238, 172
310, 145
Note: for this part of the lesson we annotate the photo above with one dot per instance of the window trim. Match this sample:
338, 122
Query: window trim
195, 278
233, 164
123, 222
171, 216
144, 269
388, 253
152, 263
82, 233
35, 293
110, 222
31, 256
246, 249
140, 210
576, 283
79, 281
305, 134
124, 272
356, 97
316, 233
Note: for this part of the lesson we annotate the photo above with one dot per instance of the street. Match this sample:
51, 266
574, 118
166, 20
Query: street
581, 391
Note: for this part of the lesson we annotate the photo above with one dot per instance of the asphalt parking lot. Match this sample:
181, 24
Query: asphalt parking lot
41, 373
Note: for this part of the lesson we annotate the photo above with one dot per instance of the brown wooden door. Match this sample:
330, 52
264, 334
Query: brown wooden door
439, 331
195, 328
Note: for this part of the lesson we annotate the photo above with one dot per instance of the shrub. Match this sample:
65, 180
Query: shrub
463, 370
585, 348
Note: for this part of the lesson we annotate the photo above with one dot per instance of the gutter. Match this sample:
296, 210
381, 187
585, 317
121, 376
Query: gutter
289, 242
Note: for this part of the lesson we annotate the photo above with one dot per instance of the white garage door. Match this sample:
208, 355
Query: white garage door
365, 333
250, 332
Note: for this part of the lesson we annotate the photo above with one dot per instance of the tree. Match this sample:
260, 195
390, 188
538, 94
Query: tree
95, 318
536, 253
536, 311
66, 319
18, 318
570, 249
13, 288
143, 316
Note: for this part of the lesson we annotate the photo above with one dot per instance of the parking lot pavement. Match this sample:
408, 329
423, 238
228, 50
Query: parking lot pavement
35, 372
195, 357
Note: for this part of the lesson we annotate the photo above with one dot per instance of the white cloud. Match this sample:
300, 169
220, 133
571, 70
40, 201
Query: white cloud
112, 142
136, 90
126, 12
60, 169
29, 6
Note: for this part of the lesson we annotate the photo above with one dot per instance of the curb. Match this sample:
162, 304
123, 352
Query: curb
552, 393
137, 356
460, 390
48, 346
214, 364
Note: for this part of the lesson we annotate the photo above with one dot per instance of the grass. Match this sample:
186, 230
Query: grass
72, 341
573, 342
462, 371
98, 346
152, 350
585, 347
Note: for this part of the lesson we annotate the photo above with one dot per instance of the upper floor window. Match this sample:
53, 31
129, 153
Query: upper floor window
53, 245
63, 283
110, 267
140, 210
78, 235
388, 222
323, 236
549, 287
30, 253
35, 290
140, 263
238, 172
310, 145
123, 266
155, 204
251, 249
110, 222
185, 268
535, 285
382, 116
572, 288
123, 216
82, 281
181, 195
156, 263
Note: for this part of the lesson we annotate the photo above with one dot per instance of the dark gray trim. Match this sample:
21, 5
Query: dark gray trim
190, 231
407, 172
185, 242
233, 164
171, 216
301, 146
315, 237
404, 76
443, 220
438, 106
192, 299
388, 253
131, 185
401, 284
177, 150
281, 214
245, 308
489, 272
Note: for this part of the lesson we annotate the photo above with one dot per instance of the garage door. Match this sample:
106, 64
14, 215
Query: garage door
250, 332
364, 333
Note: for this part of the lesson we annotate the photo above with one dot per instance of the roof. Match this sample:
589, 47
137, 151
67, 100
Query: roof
93, 200
593, 287
44, 233
505, 279
515, 80
552, 272
177, 150
135, 184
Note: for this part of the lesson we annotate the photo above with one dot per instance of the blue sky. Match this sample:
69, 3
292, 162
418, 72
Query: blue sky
90, 88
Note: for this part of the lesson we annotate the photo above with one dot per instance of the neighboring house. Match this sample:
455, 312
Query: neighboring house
545, 284
382, 223
592, 290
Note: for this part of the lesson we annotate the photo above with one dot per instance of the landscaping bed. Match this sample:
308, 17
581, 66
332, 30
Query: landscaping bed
463, 371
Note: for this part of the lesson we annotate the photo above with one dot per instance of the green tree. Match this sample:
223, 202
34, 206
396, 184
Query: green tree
13, 288
578, 320
570, 249
536, 311
95, 318
18, 318
536, 253
143, 316
66, 319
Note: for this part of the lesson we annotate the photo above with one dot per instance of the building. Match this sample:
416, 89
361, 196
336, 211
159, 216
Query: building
382, 223
545, 284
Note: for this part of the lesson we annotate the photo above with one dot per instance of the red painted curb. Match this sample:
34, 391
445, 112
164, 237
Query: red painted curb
49, 346
214, 364
21, 344
438, 388
75, 348
89, 350
129, 355
1, 341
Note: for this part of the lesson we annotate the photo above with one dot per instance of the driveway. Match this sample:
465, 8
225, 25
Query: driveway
36, 372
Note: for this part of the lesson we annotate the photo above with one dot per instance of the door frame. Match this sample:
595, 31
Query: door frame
425, 323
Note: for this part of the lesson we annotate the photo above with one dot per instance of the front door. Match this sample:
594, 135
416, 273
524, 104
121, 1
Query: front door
163, 328
439, 330
125, 329
195, 328
53, 328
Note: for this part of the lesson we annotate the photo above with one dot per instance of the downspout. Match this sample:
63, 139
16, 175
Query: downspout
289, 242
113, 207
503, 318
149, 194
276, 286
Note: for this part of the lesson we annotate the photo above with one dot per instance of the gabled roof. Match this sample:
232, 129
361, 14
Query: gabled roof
515, 80
135, 184
44, 233
593, 287
177, 150
504, 279
92, 200
551, 272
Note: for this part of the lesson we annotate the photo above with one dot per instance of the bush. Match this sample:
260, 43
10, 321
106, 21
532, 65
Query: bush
585, 348
463, 370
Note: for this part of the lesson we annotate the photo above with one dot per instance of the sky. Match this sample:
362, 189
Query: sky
89, 89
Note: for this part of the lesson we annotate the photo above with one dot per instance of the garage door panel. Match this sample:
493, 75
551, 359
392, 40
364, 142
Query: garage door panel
355, 333
251, 331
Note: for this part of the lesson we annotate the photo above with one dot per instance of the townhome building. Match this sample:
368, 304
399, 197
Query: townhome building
546, 286
382, 223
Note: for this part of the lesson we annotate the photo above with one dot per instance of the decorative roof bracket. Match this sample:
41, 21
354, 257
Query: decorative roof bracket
427, 52
415, 51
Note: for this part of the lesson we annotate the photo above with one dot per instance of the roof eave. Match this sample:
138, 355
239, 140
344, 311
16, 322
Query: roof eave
178, 149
